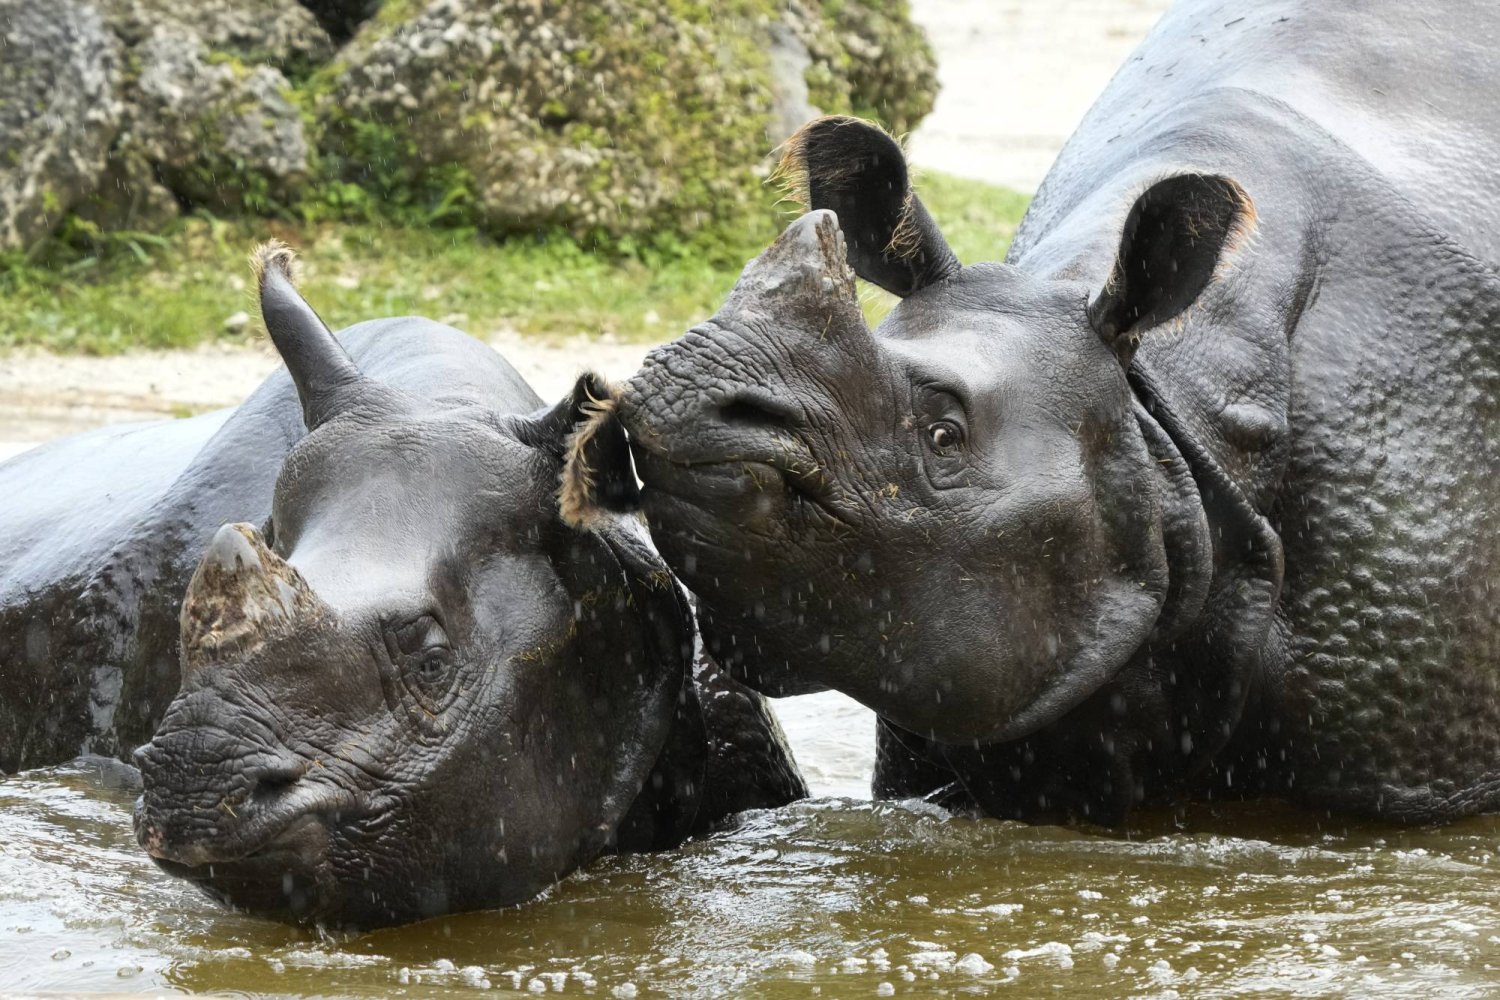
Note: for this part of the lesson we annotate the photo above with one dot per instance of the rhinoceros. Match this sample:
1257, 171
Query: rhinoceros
385, 679
1195, 494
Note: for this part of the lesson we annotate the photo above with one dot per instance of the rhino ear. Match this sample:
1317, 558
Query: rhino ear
859, 172
1174, 237
327, 380
583, 432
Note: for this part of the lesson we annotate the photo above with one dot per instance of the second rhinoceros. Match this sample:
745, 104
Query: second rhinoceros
1197, 493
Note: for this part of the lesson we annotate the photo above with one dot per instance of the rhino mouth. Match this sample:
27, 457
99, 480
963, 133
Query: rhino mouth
722, 463
799, 475
290, 875
268, 826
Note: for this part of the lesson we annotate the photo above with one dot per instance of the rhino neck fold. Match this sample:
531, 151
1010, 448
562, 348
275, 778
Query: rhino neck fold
1210, 665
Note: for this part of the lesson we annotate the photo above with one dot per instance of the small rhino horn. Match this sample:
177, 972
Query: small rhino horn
240, 594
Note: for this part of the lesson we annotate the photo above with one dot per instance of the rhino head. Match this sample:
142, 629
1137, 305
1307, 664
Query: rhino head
960, 519
415, 690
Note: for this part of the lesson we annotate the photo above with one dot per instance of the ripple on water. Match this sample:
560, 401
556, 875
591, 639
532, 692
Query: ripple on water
847, 896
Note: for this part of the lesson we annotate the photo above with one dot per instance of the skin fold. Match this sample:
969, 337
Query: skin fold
1193, 495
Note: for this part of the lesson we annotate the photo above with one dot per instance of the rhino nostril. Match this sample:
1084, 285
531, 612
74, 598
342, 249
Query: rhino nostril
757, 409
272, 778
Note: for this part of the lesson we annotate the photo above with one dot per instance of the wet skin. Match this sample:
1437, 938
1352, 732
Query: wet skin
1194, 495
406, 686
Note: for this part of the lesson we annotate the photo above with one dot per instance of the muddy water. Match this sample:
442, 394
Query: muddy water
837, 896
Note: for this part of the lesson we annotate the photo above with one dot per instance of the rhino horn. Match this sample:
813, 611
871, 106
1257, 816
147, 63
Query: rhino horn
328, 382
858, 171
241, 593
805, 270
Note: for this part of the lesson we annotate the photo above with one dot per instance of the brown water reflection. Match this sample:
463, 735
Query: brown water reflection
834, 897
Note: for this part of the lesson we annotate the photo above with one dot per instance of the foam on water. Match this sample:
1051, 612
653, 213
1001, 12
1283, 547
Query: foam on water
848, 896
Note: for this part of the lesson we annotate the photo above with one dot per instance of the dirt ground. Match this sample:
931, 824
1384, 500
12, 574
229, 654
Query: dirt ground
1016, 76
44, 395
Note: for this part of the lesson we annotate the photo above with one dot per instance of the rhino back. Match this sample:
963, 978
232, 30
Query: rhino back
437, 362
66, 499
1405, 88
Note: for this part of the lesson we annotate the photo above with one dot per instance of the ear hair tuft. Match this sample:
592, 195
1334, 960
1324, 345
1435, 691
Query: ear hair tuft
576, 496
906, 238
274, 254
859, 171
794, 174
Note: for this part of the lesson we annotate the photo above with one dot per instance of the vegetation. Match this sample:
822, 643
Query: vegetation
180, 288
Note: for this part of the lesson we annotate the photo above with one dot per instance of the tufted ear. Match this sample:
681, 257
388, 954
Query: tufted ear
1174, 237
584, 433
859, 172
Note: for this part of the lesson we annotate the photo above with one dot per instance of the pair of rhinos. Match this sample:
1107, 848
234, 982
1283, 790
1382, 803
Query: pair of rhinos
1193, 496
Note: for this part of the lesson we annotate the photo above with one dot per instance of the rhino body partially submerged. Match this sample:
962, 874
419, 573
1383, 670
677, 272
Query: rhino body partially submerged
399, 684
1195, 494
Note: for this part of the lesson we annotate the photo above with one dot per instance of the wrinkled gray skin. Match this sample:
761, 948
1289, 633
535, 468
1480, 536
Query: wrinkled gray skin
1196, 494
412, 690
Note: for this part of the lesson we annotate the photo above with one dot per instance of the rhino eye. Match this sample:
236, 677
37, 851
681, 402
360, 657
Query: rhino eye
424, 661
944, 436
428, 674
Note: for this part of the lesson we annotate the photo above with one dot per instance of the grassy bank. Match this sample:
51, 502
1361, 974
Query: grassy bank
177, 290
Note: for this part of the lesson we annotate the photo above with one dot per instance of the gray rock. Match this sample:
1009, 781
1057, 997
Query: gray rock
129, 196
60, 73
612, 118
218, 132
279, 32
790, 62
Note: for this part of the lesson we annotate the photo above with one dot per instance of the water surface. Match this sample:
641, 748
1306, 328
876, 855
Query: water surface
837, 896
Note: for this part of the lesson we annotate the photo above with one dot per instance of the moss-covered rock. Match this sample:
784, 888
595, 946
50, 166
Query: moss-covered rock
217, 131
870, 58
60, 72
280, 33
209, 120
616, 120
128, 197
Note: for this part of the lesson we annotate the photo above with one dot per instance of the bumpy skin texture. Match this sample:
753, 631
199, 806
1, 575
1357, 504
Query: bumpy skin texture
1279, 217
1344, 376
412, 689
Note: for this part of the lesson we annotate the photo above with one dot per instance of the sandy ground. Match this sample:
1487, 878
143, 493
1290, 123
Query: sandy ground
1016, 75
45, 395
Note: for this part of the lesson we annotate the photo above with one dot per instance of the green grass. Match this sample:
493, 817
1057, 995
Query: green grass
139, 290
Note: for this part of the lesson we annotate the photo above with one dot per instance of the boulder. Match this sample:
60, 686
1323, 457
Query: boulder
218, 132
129, 197
280, 33
60, 76
869, 57
615, 120
210, 113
